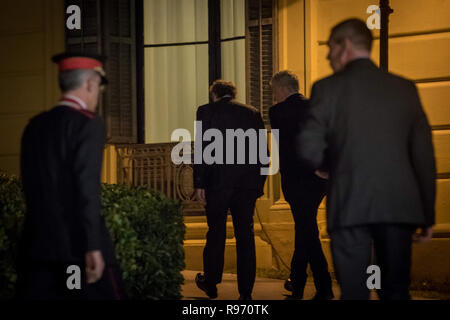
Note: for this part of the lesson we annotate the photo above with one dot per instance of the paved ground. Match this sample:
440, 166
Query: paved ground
265, 289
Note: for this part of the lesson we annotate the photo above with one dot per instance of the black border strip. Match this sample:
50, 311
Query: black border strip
428, 80
140, 74
444, 175
174, 44
214, 47
305, 67
441, 127
232, 39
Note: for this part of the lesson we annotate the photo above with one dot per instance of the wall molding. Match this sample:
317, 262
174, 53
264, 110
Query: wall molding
403, 34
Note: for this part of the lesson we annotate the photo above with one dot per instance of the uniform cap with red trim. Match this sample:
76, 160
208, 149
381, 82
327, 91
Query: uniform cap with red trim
74, 61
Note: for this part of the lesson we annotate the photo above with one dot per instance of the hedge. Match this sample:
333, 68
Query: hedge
147, 229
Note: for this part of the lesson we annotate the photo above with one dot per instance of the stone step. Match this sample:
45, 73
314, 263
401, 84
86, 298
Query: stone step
196, 228
193, 219
194, 254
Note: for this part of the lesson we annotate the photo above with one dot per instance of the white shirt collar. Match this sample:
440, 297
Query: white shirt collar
80, 102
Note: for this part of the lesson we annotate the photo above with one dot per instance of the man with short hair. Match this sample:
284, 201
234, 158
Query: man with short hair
61, 159
302, 189
224, 185
369, 130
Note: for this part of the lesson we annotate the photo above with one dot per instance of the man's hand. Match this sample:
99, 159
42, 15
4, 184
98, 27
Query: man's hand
321, 174
94, 266
200, 196
424, 236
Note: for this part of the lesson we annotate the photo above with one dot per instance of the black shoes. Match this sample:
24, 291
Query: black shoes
323, 296
288, 285
211, 291
200, 281
245, 297
296, 293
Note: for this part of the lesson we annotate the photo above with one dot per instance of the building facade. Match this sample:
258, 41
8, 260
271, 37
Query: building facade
164, 54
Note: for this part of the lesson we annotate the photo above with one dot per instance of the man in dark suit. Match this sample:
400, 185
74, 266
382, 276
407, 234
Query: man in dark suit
369, 130
302, 189
227, 182
61, 159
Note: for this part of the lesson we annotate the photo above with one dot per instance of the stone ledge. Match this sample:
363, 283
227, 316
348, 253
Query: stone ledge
194, 254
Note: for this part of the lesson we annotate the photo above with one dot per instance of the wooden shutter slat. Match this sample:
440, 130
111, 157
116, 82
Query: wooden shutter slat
108, 28
260, 60
120, 40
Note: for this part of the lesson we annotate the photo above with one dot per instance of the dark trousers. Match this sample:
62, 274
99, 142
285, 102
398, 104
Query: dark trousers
49, 282
351, 249
242, 205
304, 200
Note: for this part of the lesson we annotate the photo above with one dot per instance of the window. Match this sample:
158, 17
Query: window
182, 47
261, 54
108, 28
176, 65
232, 41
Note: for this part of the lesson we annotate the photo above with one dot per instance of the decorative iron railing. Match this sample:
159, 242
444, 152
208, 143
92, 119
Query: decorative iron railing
151, 165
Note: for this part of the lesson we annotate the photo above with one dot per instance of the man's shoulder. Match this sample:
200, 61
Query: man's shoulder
35, 121
63, 119
75, 118
203, 110
231, 106
202, 107
39, 117
235, 107
291, 102
342, 77
72, 112
244, 107
401, 81
330, 80
45, 117
278, 109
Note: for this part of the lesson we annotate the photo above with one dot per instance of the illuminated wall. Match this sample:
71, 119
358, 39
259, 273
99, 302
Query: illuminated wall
177, 61
232, 26
419, 49
176, 65
30, 33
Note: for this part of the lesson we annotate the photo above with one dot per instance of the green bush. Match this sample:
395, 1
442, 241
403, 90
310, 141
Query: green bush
146, 227
148, 232
12, 208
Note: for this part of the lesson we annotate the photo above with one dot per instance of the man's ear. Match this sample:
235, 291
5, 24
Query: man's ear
92, 83
345, 50
347, 44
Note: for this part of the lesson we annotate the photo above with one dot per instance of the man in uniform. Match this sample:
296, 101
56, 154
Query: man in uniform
302, 189
61, 159
369, 129
235, 186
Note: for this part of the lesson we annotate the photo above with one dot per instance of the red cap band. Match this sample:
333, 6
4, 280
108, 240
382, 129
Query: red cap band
79, 63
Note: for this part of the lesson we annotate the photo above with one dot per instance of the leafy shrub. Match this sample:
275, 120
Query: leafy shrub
146, 227
12, 208
148, 231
